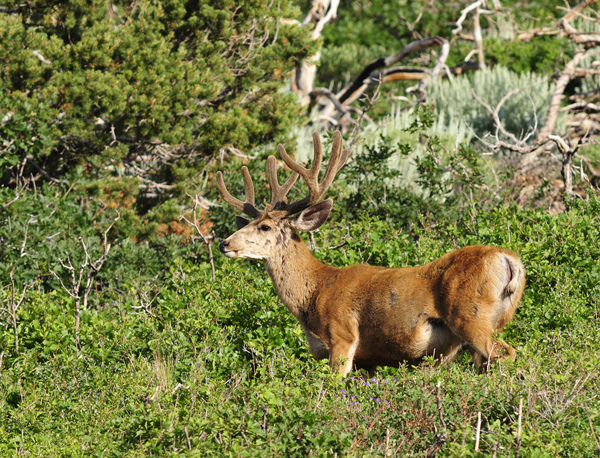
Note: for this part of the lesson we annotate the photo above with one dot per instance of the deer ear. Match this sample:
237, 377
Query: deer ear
313, 217
241, 222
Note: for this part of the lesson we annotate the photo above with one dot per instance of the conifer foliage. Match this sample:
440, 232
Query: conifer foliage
130, 88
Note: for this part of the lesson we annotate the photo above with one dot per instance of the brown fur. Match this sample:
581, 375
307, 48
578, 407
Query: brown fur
365, 316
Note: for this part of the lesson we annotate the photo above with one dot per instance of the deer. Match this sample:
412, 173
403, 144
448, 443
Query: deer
363, 316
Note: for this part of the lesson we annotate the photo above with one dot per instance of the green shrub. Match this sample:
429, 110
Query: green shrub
42, 229
143, 92
416, 166
542, 55
222, 368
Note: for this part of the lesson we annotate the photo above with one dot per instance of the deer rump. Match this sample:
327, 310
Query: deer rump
400, 315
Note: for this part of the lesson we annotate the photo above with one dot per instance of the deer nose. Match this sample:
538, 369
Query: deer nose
223, 245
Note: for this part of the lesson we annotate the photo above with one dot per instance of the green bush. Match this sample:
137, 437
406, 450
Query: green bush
542, 55
41, 231
415, 167
141, 91
222, 368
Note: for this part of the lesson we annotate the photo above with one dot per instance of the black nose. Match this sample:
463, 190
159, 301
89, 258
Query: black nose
223, 245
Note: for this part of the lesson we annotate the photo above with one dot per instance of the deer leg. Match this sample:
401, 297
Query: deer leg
485, 349
368, 371
439, 341
452, 353
341, 356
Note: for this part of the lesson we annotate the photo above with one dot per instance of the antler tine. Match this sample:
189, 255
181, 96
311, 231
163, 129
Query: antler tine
318, 155
247, 206
336, 162
278, 193
310, 175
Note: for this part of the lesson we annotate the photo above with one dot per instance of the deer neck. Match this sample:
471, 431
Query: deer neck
296, 275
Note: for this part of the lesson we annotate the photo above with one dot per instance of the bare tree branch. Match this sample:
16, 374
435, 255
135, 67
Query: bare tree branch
554, 29
588, 41
441, 436
88, 269
207, 239
351, 92
321, 91
567, 170
595, 174
499, 126
12, 309
373, 74
41, 57
478, 38
553, 110
463, 15
321, 13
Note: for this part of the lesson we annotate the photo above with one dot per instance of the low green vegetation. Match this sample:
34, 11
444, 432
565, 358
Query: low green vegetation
180, 364
115, 340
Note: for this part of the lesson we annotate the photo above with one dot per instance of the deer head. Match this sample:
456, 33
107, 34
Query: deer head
280, 221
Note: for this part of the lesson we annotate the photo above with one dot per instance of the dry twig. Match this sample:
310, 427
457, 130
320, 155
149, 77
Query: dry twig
87, 271
12, 308
207, 239
441, 436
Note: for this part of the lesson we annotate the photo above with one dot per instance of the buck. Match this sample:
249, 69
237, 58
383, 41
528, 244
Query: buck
365, 316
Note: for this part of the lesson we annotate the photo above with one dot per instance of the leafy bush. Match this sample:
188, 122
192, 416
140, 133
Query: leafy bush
416, 166
44, 230
541, 55
143, 91
163, 86
222, 368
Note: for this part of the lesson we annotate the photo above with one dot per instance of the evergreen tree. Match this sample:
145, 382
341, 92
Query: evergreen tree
136, 87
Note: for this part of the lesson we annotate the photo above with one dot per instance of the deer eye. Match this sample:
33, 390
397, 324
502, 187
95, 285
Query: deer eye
265, 228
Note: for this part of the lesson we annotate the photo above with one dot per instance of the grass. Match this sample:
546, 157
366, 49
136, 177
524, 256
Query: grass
222, 369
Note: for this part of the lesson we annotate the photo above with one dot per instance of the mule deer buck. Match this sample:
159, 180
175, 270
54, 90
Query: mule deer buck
364, 316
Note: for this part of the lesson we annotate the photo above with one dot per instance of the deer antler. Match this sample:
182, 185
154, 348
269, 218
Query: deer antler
247, 207
278, 193
316, 190
279, 208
